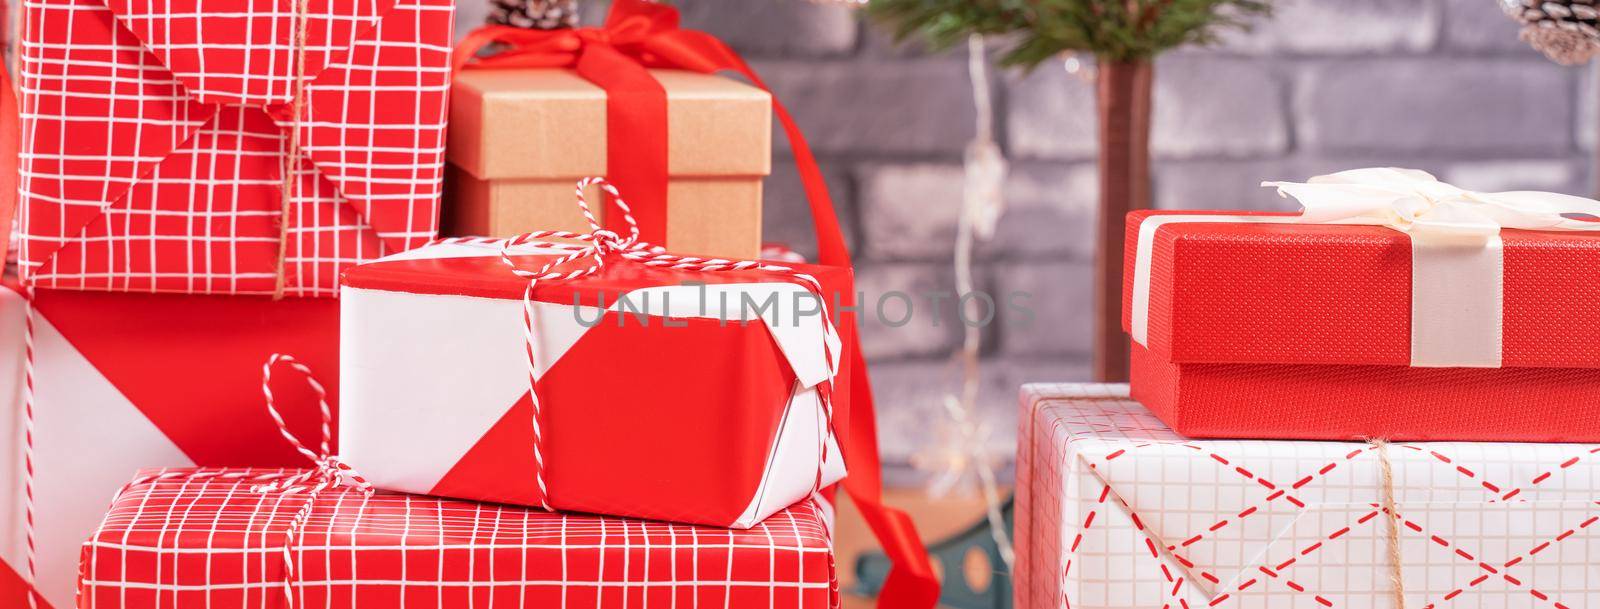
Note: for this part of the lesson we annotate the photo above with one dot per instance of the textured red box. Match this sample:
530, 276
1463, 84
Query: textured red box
1301, 331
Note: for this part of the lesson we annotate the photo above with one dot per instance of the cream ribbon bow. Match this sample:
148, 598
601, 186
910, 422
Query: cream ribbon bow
1458, 267
1414, 202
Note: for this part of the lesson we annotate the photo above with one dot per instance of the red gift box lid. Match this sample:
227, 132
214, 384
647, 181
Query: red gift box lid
1341, 294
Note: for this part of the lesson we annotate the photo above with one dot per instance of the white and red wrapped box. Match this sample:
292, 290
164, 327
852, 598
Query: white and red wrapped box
206, 538
156, 137
1114, 509
666, 394
130, 381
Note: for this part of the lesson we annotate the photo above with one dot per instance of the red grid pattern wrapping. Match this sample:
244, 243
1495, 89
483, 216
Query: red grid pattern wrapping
212, 542
1119, 511
154, 140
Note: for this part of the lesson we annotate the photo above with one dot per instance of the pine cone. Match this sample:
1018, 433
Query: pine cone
1566, 31
534, 14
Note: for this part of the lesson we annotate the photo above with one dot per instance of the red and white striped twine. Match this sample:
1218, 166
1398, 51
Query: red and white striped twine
27, 440
328, 472
597, 245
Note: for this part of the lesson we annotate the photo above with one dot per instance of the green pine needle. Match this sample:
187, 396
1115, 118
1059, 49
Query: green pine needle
1038, 30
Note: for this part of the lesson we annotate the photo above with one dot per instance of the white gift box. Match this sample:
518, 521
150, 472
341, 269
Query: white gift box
1116, 510
699, 409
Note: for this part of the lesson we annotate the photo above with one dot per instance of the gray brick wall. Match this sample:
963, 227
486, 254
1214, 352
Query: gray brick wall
1443, 85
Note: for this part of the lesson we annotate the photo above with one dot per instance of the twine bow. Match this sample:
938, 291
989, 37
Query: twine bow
326, 471
601, 246
1415, 202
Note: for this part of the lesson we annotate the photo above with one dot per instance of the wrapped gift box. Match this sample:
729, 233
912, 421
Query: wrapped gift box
1114, 509
391, 550
156, 138
1250, 327
666, 394
520, 138
125, 381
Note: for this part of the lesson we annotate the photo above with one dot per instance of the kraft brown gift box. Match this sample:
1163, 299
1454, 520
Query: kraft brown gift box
519, 139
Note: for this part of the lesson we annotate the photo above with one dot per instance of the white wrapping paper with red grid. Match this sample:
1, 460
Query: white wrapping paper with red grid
155, 137
664, 394
212, 542
125, 381
1116, 510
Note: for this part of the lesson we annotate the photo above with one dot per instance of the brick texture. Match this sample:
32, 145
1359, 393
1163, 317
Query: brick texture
910, 107
1205, 107
1427, 106
786, 214
1441, 85
783, 29
908, 311
1349, 27
1052, 114
1470, 26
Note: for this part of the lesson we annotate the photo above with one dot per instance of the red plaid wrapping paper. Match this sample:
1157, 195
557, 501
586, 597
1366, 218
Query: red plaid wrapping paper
154, 139
211, 541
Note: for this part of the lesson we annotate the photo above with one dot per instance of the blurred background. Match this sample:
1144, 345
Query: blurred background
1321, 85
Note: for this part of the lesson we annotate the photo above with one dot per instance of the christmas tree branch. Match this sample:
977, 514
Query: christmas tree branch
1116, 30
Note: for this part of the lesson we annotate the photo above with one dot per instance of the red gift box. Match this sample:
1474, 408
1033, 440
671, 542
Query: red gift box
128, 381
156, 138
663, 393
1271, 330
637, 35
206, 538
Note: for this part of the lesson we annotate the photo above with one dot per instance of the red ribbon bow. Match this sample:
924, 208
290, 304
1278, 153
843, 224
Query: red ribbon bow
639, 35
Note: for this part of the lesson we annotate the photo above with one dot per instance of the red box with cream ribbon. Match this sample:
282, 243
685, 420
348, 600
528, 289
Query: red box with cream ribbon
157, 137
1116, 510
1395, 306
208, 538
662, 393
128, 381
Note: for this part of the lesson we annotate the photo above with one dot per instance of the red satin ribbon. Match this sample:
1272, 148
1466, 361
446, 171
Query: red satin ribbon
639, 35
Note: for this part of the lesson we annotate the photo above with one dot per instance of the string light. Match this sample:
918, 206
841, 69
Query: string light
1076, 66
963, 448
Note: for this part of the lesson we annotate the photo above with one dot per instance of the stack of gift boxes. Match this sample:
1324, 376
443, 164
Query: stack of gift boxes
235, 313
1390, 399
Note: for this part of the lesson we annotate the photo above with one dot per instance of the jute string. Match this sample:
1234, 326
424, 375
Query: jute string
291, 185
1391, 514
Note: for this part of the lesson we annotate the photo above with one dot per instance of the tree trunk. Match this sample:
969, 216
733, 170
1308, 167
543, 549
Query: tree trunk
1124, 107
